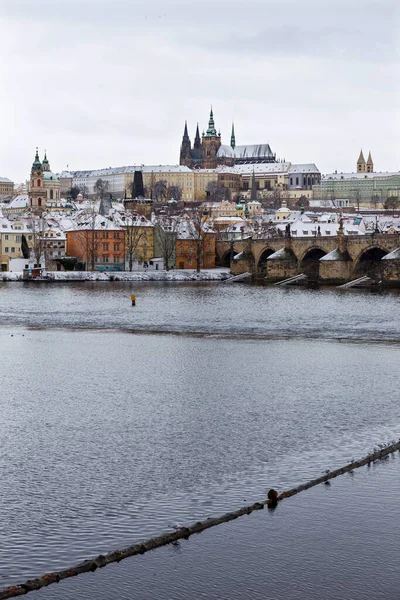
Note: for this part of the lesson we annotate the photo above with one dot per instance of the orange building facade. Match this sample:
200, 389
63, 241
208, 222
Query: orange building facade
98, 249
186, 252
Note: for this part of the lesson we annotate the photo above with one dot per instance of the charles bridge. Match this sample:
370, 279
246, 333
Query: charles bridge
329, 259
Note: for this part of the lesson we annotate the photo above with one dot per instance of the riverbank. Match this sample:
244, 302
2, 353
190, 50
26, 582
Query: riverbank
175, 275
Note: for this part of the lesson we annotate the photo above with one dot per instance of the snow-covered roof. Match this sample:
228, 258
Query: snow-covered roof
246, 151
339, 176
5, 180
395, 255
128, 169
92, 221
50, 176
20, 201
304, 168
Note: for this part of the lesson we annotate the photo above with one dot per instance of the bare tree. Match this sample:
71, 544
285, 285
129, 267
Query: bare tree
165, 233
134, 233
74, 191
375, 200
90, 239
38, 243
101, 188
160, 190
198, 230
217, 192
174, 192
392, 203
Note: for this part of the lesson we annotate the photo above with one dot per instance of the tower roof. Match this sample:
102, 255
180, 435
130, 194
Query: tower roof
361, 158
211, 131
253, 195
36, 163
369, 161
185, 131
45, 161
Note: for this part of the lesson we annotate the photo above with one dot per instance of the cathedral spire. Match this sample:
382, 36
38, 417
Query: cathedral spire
184, 158
185, 132
211, 131
197, 141
233, 140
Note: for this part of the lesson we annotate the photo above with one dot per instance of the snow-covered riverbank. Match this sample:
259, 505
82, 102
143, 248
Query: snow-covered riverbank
175, 275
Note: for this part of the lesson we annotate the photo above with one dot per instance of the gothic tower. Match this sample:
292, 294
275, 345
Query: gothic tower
36, 189
211, 142
361, 164
185, 157
370, 164
233, 140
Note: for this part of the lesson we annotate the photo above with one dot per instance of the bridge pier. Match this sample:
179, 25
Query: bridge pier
282, 264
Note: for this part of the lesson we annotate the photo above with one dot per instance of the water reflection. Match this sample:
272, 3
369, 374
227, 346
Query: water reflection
107, 438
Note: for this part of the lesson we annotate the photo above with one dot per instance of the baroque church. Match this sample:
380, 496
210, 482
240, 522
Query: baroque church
208, 152
44, 186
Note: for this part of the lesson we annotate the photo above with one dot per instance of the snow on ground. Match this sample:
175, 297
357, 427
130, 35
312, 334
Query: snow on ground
174, 275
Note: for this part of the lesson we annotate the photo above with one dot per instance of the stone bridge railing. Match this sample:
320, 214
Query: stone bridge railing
331, 259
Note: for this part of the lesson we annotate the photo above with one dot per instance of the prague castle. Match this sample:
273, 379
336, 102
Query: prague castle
208, 152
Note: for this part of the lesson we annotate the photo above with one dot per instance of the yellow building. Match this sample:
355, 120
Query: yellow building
173, 175
6, 187
202, 179
10, 243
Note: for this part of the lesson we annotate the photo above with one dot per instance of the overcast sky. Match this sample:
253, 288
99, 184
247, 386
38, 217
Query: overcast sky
103, 83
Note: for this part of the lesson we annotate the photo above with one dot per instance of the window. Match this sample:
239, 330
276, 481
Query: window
18, 239
38, 182
6, 237
305, 232
116, 247
13, 249
6, 249
105, 246
297, 181
105, 235
105, 258
116, 234
51, 195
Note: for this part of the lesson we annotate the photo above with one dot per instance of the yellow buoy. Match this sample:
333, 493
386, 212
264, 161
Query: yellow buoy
133, 298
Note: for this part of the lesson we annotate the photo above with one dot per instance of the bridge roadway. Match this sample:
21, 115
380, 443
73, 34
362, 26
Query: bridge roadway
349, 257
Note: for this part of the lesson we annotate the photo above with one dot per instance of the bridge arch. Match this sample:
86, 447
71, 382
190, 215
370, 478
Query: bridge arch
225, 260
368, 262
262, 261
309, 263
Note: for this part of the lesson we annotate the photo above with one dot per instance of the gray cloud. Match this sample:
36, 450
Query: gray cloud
111, 82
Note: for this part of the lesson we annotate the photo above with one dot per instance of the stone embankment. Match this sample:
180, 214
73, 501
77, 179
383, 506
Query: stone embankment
174, 275
185, 532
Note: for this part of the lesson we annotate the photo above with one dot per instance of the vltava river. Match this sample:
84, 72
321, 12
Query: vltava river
117, 422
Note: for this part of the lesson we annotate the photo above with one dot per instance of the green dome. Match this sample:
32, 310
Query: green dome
239, 206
